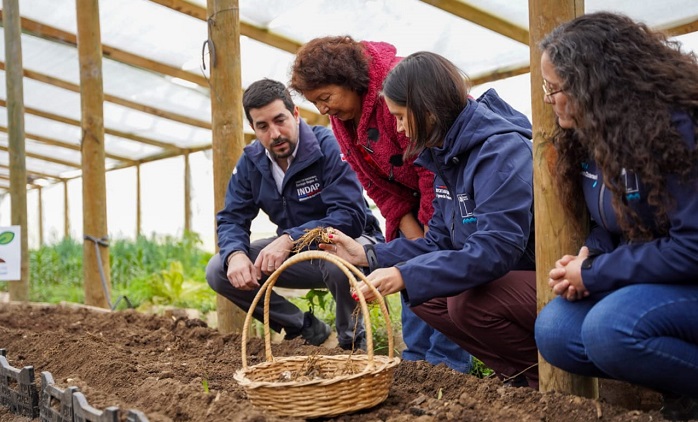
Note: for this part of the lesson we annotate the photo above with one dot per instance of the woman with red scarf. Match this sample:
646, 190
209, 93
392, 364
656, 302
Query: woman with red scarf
342, 77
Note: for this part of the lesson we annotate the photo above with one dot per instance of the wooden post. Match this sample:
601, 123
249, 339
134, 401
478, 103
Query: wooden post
187, 193
94, 193
139, 223
19, 289
226, 104
554, 235
66, 209
40, 211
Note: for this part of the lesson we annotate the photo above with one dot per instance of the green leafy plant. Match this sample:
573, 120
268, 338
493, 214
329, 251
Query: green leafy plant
170, 287
175, 266
480, 370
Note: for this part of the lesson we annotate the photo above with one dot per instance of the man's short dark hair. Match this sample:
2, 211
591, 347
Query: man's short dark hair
262, 93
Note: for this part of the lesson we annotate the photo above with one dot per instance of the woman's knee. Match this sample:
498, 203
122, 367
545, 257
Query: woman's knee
555, 333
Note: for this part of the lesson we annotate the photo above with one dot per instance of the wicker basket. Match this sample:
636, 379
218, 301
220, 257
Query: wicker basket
363, 381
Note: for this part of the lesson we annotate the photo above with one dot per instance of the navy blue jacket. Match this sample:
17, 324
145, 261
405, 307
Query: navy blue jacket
482, 225
319, 190
669, 259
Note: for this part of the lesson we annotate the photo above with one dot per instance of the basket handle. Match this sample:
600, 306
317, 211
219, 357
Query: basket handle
348, 269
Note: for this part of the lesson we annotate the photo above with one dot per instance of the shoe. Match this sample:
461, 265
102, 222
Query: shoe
679, 408
517, 381
359, 343
314, 331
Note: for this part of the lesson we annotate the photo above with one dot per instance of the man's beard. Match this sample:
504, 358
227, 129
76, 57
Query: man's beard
279, 141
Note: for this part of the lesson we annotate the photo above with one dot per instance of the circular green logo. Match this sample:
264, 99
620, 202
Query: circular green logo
6, 237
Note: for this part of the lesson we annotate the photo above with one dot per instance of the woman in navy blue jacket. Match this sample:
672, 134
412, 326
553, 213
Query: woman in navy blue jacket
626, 101
472, 275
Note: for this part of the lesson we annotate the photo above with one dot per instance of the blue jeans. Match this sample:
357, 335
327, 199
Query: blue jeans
645, 334
425, 343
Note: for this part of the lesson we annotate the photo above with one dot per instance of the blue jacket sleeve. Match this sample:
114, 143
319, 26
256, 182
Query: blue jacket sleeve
670, 259
503, 197
234, 220
599, 240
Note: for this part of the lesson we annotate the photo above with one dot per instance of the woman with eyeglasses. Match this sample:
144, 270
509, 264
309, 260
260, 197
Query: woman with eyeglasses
626, 101
342, 77
472, 276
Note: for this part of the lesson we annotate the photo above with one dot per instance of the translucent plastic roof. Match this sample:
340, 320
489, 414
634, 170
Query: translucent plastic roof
153, 110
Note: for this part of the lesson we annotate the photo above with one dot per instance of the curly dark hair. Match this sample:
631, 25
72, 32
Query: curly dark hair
336, 60
623, 81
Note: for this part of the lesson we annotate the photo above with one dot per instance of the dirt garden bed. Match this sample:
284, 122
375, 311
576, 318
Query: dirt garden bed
178, 369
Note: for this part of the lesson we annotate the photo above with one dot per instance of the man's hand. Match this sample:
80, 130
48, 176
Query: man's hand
274, 254
566, 278
241, 273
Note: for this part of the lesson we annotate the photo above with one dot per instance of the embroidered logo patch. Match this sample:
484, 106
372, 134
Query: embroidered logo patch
632, 185
308, 188
442, 192
466, 206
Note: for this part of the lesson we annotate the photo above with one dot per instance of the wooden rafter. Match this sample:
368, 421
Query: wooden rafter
482, 18
113, 132
249, 30
56, 143
674, 30
681, 28
114, 99
46, 158
53, 34
36, 173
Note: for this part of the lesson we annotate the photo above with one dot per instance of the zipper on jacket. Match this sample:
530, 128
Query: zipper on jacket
602, 191
450, 192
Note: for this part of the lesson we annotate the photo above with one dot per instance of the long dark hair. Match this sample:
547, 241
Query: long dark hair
433, 90
623, 81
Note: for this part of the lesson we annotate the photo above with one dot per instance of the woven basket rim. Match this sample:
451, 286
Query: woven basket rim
381, 363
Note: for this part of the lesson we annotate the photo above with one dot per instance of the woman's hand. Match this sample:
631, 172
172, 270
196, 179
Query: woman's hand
566, 278
385, 280
345, 247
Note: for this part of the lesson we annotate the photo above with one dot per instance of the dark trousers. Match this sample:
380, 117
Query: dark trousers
304, 275
494, 322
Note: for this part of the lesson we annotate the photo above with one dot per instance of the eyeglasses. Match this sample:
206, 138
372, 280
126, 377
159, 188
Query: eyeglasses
549, 92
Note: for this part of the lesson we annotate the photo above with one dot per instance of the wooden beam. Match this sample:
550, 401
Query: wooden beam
32, 173
246, 29
680, 28
66, 145
139, 213
227, 118
113, 132
482, 18
499, 74
115, 100
18, 289
187, 193
42, 157
7, 178
66, 214
94, 195
50, 33
40, 212
555, 235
